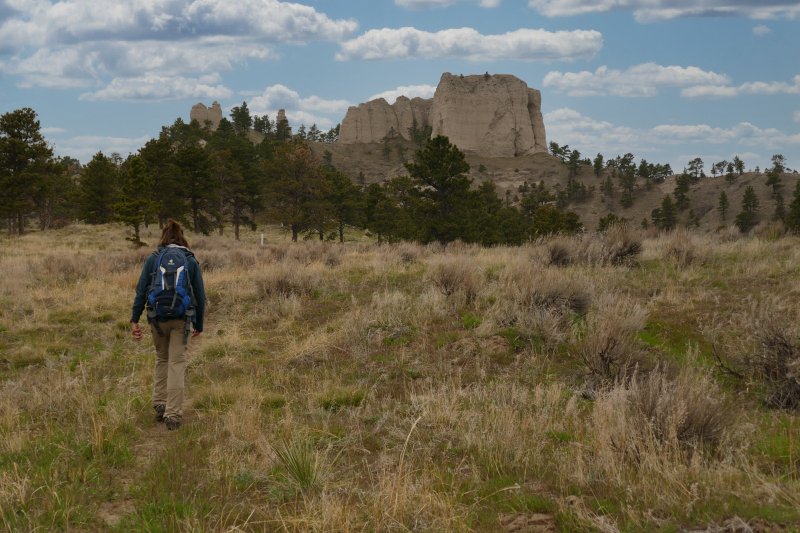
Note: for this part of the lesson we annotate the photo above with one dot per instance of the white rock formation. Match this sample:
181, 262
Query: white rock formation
495, 116
201, 114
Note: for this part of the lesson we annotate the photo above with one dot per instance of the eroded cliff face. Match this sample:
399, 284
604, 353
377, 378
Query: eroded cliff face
374, 120
494, 116
201, 114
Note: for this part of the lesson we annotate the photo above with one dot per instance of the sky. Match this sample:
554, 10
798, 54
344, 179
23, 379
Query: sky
667, 80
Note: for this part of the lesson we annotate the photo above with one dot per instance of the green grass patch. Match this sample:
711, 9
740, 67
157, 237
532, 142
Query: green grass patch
342, 399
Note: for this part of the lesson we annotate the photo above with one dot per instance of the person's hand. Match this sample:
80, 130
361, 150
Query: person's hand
196, 333
137, 331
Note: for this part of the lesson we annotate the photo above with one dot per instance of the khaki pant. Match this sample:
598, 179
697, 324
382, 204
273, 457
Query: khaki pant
170, 365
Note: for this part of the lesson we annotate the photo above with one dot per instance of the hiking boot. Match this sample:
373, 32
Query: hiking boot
172, 424
160, 409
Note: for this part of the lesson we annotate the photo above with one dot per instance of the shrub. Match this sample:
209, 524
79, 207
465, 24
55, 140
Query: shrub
453, 275
681, 251
620, 245
558, 252
545, 289
777, 365
687, 409
306, 469
408, 252
284, 280
606, 342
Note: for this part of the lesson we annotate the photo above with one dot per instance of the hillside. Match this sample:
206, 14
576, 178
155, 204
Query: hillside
508, 173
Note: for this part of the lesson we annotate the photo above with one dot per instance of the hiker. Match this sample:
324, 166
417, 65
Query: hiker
171, 287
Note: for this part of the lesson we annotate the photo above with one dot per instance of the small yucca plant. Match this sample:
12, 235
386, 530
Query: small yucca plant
305, 468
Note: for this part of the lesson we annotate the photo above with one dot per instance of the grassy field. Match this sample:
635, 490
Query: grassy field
570, 385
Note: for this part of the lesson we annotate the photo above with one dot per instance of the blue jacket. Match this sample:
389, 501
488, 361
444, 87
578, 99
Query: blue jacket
195, 278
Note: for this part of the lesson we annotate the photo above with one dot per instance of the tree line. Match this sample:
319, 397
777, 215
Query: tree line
216, 180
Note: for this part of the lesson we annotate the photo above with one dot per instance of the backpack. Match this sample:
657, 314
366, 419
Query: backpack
170, 294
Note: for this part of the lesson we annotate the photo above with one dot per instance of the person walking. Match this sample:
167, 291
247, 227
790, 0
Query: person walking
171, 288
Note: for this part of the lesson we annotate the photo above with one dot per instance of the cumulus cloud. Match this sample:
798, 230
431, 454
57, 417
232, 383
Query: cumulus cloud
797, 116
431, 4
639, 80
646, 11
152, 88
409, 91
85, 146
309, 110
467, 43
591, 136
74, 43
757, 87
50, 131
761, 30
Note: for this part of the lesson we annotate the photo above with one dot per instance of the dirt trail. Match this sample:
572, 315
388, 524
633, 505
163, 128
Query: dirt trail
155, 438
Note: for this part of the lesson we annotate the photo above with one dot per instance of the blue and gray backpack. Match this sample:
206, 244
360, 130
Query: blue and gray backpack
171, 295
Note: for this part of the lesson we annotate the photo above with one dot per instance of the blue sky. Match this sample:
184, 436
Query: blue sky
667, 80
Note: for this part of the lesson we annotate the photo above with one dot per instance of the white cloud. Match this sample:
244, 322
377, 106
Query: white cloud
467, 43
309, 110
639, 80
761, 30
409, 91
153, 88
47, 131
431, 4
84, 147
567, 126
646, 11
756, 87
797, 116
75, 43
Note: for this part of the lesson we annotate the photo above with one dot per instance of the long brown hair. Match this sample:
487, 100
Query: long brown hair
173, 234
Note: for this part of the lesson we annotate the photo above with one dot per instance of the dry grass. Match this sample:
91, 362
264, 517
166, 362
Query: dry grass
404, 387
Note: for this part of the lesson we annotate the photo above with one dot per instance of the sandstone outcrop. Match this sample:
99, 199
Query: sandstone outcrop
494, 116
371, 122
282, 118
201, 114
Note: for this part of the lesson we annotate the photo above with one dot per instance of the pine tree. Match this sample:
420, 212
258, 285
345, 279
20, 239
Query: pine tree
98, 190
780, 208
668, 214
574, 162
240, 116
723, 204
135, 204
598, 164
439, 171
749, 208
347, 206
24, 159
681, 191
792, 218
295, 187
197, 184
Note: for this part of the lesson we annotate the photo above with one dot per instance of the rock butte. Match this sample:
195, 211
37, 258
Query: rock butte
201, 114
493, 116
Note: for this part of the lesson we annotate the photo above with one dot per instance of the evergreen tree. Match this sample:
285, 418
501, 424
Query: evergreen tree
25, 159
574, 162
240, 116
295, 187
347, 207
774, 178
598, 164
730, 176
440, 172
738, 164
198, 185
723, 204
681, 191
627, 181
780, 208
98, 190
696, 168
667, 215
159, 159
135, 203
749, 208
792, 218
